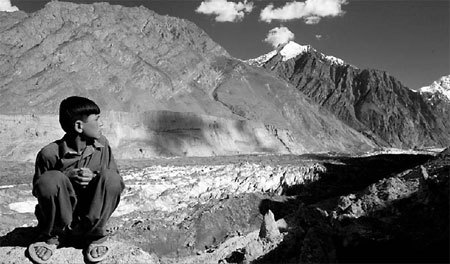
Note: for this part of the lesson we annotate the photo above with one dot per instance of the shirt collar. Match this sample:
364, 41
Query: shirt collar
64, 149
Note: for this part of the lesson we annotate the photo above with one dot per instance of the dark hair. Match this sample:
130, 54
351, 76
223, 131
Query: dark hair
75, 108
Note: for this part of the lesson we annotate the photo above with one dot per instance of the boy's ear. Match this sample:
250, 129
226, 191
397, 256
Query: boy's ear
78, 126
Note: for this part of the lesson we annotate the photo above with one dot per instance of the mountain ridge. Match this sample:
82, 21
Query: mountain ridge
291, 50
148, 71
440, 88
369, 100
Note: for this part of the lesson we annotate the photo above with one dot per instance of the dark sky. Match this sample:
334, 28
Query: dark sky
407, 38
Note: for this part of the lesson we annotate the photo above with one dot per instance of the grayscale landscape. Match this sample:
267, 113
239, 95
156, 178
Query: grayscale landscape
295, 156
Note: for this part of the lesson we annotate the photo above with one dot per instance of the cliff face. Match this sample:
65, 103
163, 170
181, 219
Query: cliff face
164, 87
370, 101
127, 59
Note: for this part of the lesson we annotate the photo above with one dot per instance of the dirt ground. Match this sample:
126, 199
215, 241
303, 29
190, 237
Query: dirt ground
202, 229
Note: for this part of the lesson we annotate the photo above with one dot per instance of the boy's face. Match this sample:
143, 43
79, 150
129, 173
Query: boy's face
91, 127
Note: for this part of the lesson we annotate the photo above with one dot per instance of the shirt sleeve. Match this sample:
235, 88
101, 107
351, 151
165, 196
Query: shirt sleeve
44, 162
110, 161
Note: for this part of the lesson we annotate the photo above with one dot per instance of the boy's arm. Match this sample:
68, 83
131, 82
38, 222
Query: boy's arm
109, 166
44, 161
110, 162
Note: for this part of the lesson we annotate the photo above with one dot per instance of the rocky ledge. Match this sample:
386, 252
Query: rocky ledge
264, 209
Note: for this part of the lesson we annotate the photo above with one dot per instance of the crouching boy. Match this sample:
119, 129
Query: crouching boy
76, 183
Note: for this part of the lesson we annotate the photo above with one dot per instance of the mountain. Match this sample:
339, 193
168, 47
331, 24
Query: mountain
437, 96
370, 101
164, 87
438, 90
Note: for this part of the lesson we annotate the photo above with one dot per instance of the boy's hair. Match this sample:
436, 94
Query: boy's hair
75, 108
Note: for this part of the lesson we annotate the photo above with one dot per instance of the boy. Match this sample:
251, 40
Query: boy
77, 184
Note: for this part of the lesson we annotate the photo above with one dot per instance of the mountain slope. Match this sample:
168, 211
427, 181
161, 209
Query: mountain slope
370, 101
67, 48
164, 86
439, 89
437, 97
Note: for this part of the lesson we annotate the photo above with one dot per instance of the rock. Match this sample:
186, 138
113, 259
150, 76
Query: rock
400, 217
120, 253
282, 225
445, 153
179, 186
254, 249
318, 246
237, 256
269, 229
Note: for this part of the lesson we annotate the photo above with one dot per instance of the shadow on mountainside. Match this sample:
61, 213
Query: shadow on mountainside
393, 228
340, 178
191, 134
351, 174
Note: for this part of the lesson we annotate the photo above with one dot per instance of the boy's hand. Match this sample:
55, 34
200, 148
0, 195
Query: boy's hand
81, 176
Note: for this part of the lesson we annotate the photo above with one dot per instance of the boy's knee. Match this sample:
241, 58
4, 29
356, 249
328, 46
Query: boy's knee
113, 181
48, 183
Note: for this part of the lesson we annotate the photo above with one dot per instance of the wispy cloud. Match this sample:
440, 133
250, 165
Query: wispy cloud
224, 10
279, 35
311, 11
5, 5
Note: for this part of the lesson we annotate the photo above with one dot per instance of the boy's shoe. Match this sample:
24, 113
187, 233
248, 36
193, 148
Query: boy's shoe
42, 251
97, 250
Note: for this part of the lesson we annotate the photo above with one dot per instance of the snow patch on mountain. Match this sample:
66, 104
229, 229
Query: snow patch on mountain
335, 60
442, 86
292, 50
263, 58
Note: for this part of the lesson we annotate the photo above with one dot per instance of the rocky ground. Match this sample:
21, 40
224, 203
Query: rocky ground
260, 209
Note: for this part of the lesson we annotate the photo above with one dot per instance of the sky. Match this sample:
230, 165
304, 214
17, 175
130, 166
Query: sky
407, 38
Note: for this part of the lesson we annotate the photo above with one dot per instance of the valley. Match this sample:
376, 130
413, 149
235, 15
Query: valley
202, 209
292, 157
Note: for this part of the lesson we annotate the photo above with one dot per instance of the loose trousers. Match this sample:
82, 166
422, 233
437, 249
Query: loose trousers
61, 204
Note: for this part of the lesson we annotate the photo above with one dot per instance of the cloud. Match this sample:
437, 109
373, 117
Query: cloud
5, 5
279, 35
311, 11
225, 11
319, 37
312, 20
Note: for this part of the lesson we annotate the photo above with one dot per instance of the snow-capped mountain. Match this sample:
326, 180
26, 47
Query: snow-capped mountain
438, 88
198, 89
262, 59
437, 96
292, 50
371, 101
